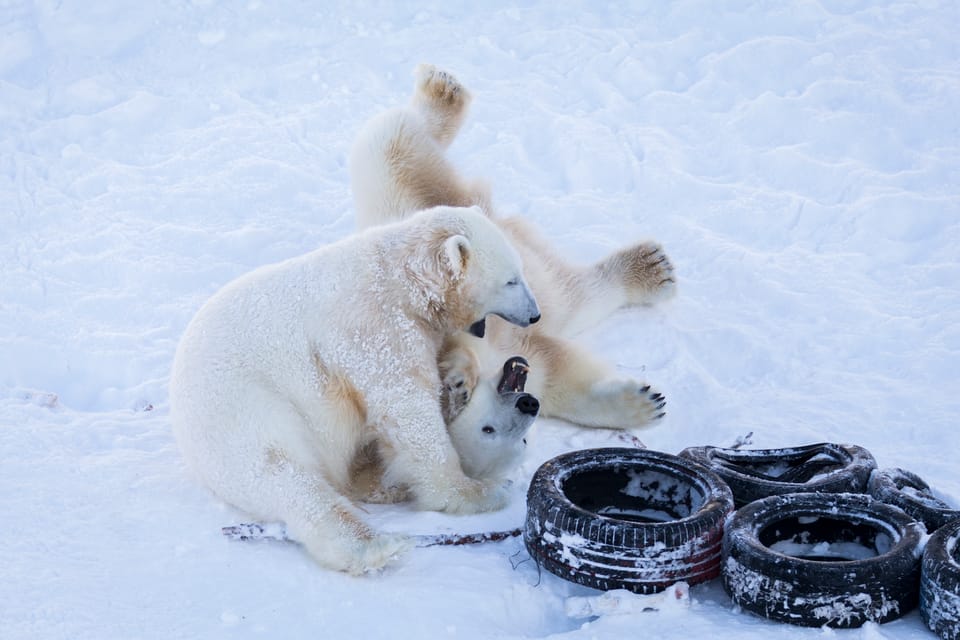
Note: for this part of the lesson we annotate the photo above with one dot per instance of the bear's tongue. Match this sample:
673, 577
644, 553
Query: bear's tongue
514, 375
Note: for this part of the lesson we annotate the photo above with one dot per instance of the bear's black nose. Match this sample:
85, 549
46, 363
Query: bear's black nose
527, 404
535, 319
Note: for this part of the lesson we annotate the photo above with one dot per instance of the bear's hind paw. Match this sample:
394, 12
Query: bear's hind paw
439, 86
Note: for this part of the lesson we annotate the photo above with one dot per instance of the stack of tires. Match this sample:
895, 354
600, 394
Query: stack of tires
814, 535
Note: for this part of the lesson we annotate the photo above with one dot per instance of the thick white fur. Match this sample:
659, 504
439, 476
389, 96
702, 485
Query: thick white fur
398, 166
291, 373
489, 430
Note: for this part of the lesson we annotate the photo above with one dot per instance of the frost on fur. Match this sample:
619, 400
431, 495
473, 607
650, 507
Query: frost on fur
297, 379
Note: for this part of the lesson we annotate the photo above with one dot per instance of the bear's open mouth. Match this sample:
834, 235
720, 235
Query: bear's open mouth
514, 375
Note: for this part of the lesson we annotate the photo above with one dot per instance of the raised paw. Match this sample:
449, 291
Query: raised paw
441, 101
646, 272
440, 86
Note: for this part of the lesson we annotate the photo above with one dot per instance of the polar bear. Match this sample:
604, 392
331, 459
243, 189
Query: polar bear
488, 433
398, 165
488, 422
289, 372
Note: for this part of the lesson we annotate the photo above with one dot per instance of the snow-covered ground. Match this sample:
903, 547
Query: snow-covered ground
800, 161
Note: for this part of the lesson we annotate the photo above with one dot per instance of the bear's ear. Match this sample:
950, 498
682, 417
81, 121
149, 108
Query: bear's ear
455, 255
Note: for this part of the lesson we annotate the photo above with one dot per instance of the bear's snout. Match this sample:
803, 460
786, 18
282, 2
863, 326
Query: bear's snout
527, 404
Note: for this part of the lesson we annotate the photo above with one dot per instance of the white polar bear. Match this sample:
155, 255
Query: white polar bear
488, 433
487, 423
289, 373
398, 166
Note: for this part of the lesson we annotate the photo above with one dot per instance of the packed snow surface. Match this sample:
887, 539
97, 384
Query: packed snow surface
799, 160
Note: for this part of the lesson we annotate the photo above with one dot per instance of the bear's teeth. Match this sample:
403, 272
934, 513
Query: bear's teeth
514, 375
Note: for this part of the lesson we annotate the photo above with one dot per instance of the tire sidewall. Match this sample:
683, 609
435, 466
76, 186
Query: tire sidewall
940, 582
815, 593
886, 485
571, 541
852, 477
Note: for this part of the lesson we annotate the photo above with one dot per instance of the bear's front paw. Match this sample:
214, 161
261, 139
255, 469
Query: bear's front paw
459, 375
455, 394
467, 496
480, 497
647, 273
642, 404
626, 404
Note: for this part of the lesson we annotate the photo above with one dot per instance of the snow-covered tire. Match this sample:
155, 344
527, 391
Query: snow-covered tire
940, 582
755, 474
626, 519
907, 490
815, 559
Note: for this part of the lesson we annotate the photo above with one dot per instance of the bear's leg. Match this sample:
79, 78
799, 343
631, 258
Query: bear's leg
422, 176
638, 275
442, 102
270, 468
587, 295
579, 388
418, 174
326, 524
398, 164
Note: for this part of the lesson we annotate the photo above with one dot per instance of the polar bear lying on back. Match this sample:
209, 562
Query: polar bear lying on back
288, 373
399, 165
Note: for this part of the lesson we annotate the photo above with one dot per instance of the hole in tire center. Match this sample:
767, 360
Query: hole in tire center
825, 539
794, 467
635, 495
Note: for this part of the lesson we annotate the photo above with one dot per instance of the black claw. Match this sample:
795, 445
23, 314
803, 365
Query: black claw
657, 396
644, 389
662, 405
660, 415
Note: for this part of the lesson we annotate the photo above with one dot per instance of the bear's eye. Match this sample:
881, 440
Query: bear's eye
488, 429
514, 282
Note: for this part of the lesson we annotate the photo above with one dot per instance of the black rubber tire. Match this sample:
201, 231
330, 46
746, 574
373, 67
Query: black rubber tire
940, 582
590, 519
759, 473
777, 562
907, 490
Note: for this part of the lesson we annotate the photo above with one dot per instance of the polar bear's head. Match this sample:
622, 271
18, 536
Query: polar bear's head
480, 273
489, 432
